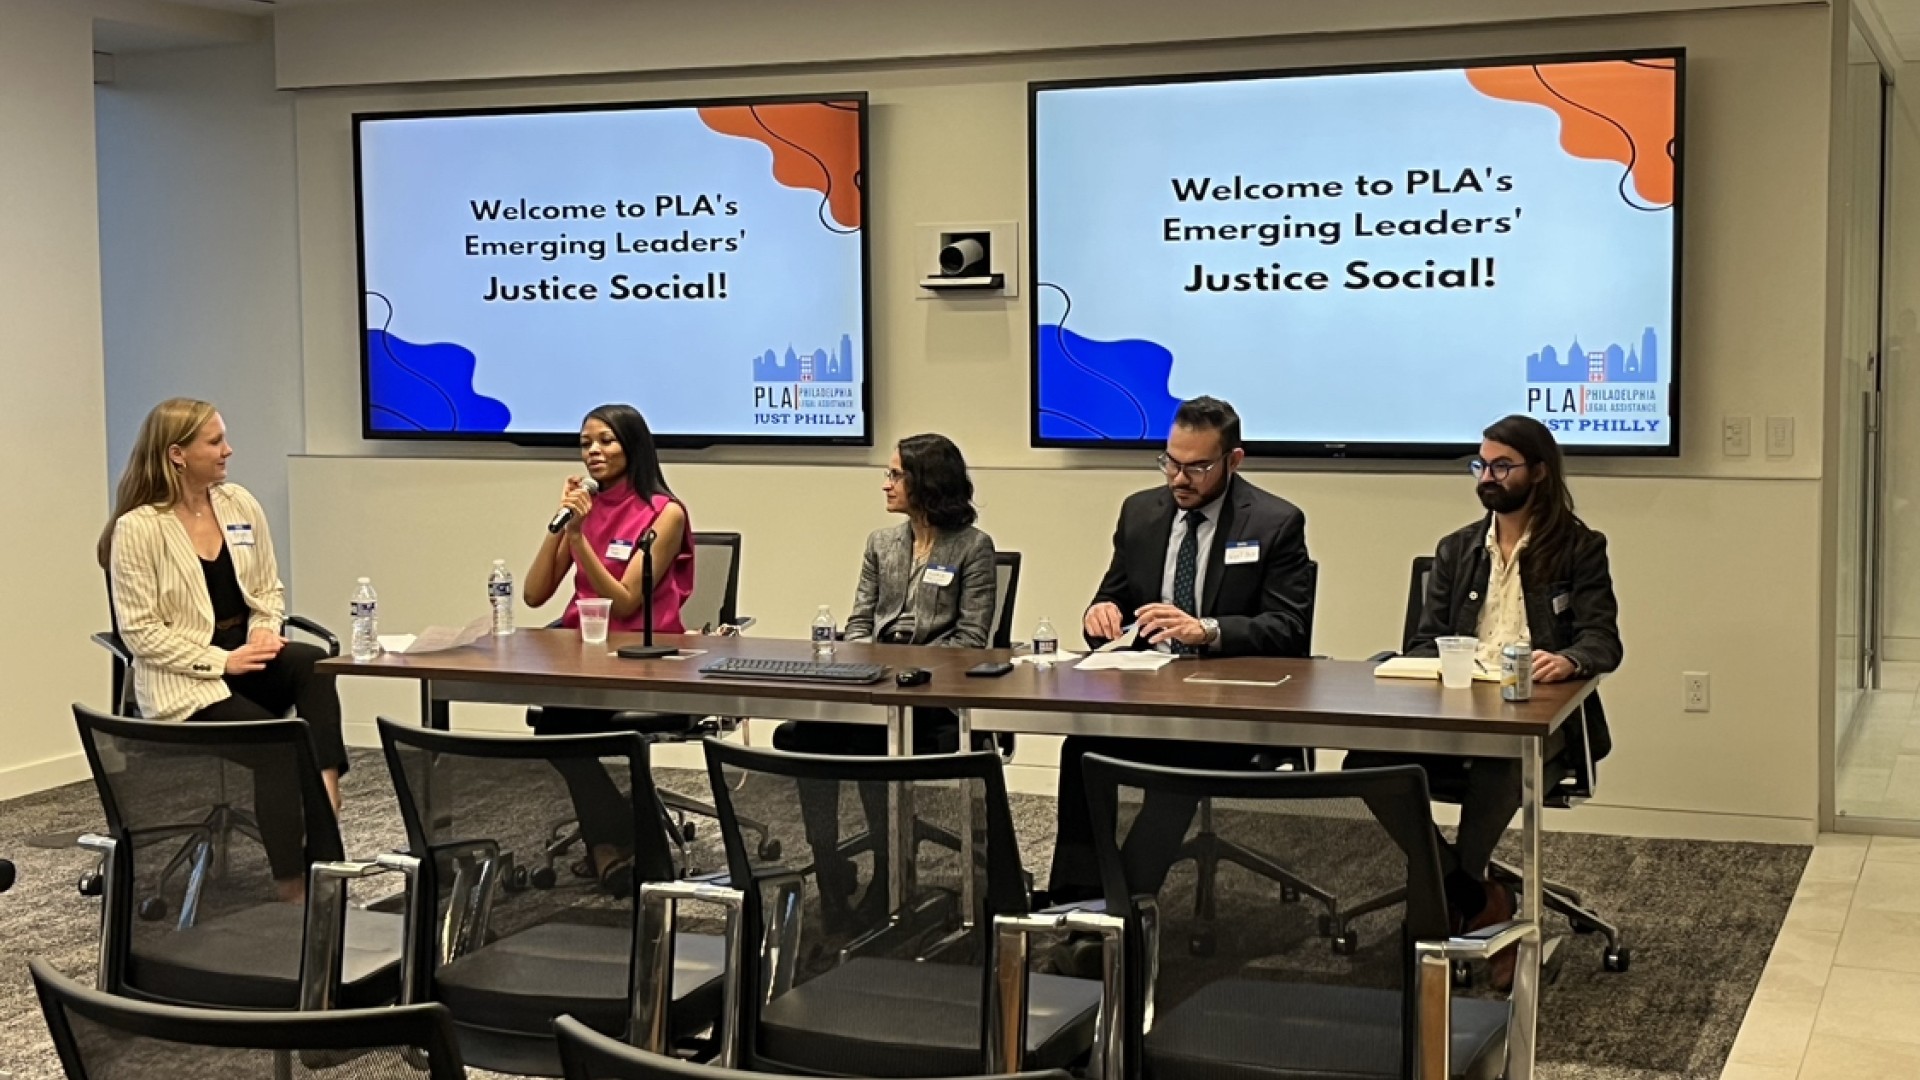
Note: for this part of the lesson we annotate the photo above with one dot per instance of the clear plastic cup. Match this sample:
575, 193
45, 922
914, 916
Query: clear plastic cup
1456, 661
593, 620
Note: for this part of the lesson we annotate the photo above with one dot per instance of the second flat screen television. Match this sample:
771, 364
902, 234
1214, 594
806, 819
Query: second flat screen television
703, 261
1375, 262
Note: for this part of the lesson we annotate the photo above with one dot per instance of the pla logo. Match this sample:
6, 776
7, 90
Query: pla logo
1558, 383
805, 389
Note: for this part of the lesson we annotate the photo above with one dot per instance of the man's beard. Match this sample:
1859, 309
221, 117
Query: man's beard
1503, 500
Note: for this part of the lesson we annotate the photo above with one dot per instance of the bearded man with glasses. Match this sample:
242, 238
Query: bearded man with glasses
1528, 571
1205, 564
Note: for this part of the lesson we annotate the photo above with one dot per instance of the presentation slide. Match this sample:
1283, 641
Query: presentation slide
1377, 262
704, 262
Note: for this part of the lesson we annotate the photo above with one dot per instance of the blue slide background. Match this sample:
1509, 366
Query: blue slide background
441, 359
1581, 265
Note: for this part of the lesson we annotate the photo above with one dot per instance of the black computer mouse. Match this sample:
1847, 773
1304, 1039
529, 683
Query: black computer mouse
913, 676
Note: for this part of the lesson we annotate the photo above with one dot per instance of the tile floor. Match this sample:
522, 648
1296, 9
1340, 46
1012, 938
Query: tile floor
1879, 772
1840, 997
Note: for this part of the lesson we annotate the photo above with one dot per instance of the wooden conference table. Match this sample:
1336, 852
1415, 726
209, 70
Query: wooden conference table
1327, 703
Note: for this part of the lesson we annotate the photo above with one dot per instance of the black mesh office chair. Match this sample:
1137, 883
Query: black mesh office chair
125, 705
713, 608
221, 934
850, 980
1571, 776
1276, 1002
1006, 592
102, 1037
589, 1055
506, 958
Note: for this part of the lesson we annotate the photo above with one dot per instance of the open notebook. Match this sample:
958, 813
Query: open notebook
1422, 667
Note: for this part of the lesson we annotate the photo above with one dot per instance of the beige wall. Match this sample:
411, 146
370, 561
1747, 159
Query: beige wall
1717, 559
51, 384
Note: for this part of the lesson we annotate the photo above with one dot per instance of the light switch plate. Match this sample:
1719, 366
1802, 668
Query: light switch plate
1780, 436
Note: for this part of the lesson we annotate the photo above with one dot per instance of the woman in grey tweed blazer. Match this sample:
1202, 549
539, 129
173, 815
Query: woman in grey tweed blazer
928, 581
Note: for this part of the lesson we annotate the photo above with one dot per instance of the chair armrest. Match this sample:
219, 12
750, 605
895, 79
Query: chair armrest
1382, 657
111, 642
308, 626
653, 947
324, 941
742, 622
1088, 907
1008, 961
1480, 945
113, 915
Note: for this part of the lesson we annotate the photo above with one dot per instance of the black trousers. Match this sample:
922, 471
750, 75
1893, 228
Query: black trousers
1153, 841
935, 731
287, 684
1490, 796
605, 813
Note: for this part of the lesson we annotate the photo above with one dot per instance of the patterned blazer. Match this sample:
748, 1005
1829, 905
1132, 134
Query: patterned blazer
959, 612
160, 600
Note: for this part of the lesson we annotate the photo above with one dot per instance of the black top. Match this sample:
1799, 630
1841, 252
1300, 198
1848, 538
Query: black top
230, 611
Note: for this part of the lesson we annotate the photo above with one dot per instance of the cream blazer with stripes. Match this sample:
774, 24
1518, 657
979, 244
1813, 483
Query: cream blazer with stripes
165, 615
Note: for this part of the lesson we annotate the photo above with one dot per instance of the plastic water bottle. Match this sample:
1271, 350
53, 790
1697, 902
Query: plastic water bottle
1046, 644
823, 634
500, 595
365, 608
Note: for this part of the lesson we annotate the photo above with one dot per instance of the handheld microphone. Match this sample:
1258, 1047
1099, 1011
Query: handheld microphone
565, 515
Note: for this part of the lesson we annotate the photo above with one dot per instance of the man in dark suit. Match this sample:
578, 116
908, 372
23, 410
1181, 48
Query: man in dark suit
1206, 565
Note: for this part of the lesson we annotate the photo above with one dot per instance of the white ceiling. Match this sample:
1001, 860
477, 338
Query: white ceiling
1901, 20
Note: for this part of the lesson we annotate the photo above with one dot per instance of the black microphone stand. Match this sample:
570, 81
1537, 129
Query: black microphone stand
647, 650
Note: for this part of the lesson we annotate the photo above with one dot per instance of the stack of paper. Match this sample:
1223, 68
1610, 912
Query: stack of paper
437, 638
1125, 661
1422, 667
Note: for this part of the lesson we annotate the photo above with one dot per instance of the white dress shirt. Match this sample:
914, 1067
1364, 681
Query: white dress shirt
1503, 615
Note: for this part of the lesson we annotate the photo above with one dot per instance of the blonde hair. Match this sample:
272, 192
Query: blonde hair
150, 478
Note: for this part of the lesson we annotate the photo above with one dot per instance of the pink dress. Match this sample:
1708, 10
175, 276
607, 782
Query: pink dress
613, 531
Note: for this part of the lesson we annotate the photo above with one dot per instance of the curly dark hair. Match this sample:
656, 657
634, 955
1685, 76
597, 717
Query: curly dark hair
937, 482
1554, 523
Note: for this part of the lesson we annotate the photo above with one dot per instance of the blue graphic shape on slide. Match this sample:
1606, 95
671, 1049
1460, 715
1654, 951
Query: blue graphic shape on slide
426, 388
1103, 389
816, 366
1613, 364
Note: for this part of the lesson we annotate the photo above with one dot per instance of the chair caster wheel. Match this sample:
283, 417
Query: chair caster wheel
543, 878
152, 909
1202, 943
1348, 943
769, 849
517, 880
1289, 894
91, 885
1617, 960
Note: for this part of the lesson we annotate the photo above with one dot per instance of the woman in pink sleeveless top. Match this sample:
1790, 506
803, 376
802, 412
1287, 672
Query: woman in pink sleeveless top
601, 546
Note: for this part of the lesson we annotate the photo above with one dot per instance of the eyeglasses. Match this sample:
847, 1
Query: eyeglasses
1497, 469
893, 476
1195, 471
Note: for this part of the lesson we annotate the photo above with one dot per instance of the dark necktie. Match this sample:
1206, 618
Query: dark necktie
1186, 565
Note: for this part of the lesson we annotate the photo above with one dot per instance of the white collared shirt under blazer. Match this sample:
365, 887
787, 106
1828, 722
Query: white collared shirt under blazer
165, 615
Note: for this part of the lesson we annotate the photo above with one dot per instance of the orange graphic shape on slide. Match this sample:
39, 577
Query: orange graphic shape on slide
1615, 110
815, 144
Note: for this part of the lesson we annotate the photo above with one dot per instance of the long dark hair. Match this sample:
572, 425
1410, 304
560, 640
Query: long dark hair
1554, 522
937, 482
636, 441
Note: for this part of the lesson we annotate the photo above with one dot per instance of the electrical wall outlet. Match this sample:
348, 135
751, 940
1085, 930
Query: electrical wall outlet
1779, 436
1736, 436
1696, 691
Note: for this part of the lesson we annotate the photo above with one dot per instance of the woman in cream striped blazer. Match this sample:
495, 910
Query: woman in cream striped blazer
198, 600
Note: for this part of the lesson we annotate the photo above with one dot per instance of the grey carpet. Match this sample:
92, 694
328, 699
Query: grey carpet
1701, 918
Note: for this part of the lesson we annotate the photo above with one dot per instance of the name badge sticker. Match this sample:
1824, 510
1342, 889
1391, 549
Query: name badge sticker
240, 534
620, 550
938, 576
1243, 551
1561, 603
